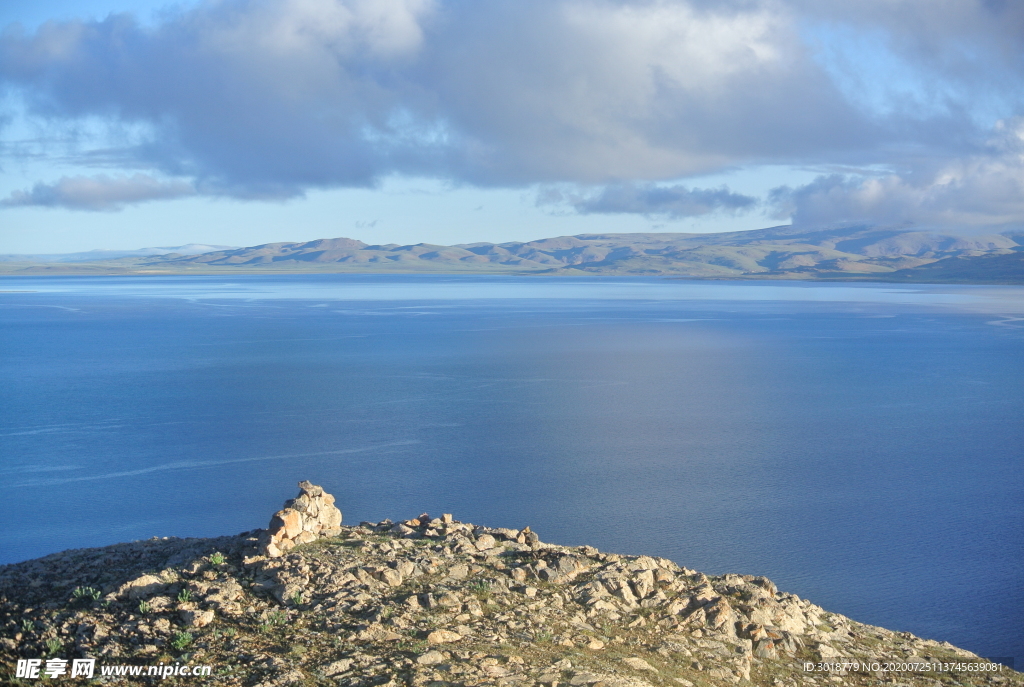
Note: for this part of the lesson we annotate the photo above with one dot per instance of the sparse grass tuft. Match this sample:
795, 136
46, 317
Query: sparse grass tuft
217, 558
185, 595
180, 640
481, 589
86, 594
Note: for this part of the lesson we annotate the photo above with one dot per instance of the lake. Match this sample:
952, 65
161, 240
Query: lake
859, 444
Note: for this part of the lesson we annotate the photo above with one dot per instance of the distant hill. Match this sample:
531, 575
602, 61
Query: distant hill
786, 252
979, 269
100, 255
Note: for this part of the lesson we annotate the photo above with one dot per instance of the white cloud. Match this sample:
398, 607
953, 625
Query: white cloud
310, 28
985, 190
269, 99
653, 200
98, 193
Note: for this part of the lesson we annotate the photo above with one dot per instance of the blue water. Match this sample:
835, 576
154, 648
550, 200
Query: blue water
861, 445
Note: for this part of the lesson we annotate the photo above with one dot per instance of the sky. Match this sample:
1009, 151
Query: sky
136, 123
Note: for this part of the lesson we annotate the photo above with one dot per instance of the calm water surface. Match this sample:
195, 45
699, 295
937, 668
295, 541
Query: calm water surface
859, 444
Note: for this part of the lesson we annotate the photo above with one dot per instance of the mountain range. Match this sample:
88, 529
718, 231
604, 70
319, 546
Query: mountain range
873, 253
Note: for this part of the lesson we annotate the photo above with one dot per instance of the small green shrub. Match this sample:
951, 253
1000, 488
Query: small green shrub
180, 640
27, 625
277, 617
217, 558
144, 607
54, 645
417, 646
185, 595
297, 598
86, 594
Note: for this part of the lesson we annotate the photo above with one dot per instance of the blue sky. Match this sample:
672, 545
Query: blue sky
126, 123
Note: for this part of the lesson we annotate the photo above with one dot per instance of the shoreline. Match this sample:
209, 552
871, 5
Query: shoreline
89, 271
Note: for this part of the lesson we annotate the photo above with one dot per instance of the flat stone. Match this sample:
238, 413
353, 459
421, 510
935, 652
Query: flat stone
430, 658
443, 637
392, 578
378, 633
310, 489
305, 537
337, 667
765, 648
197, 618
291, 522
639, 664
143, 586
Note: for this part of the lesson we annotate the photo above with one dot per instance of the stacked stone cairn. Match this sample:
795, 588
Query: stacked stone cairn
309, 516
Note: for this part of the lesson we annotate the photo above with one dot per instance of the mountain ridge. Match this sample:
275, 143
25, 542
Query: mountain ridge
855, 252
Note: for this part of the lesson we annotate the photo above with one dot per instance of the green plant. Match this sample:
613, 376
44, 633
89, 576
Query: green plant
86, 593
180, 640
480, 587
185, 595
217, 558
53, 645
277, 617
417, 646
297, 598
144, 607
27, 625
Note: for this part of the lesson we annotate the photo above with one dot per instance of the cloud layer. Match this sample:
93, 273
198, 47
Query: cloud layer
270, 98
984, 190
98, 193
674, 201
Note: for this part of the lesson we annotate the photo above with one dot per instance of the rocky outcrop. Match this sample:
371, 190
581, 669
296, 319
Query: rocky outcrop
304, 519
435, 602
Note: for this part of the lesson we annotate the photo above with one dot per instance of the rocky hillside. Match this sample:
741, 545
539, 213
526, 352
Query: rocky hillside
436, 602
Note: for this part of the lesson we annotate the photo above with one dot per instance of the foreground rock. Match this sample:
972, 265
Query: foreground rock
438, 602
